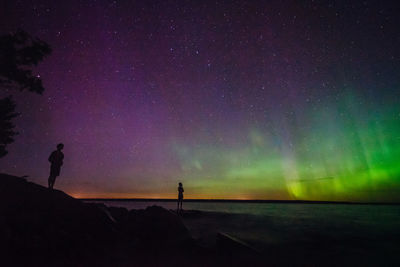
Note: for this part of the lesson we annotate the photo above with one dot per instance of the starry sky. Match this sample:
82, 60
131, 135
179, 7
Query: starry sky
235, 99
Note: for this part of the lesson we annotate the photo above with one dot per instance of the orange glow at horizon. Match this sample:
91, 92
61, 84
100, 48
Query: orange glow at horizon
96, 195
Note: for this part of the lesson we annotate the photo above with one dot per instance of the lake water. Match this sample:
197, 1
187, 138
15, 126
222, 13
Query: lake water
374, 215
374, 220
362, 233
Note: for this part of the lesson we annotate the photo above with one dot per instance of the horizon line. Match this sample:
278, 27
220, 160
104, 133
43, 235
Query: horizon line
242, 200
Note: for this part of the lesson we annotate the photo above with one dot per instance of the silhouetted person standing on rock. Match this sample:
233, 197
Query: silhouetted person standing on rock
180, 197
56, 160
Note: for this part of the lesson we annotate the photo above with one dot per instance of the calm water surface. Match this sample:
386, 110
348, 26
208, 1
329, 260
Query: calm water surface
376, 218
359, 235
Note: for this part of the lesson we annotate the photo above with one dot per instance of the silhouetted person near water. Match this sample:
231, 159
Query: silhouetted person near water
56, 160
180, 197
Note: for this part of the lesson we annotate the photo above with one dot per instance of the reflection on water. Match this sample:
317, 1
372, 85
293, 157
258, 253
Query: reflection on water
356, 234
376, 218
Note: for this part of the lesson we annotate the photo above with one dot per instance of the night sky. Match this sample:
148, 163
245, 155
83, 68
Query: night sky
235, 99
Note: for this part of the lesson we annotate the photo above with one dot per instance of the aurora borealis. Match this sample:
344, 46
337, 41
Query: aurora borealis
235, 99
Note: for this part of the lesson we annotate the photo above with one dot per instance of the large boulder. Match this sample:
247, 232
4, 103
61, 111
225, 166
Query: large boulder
42, 227
153, 226
40, 224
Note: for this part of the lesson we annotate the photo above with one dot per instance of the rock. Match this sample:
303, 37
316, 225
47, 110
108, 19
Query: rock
118, 213
154, 226
42, 227
42, 224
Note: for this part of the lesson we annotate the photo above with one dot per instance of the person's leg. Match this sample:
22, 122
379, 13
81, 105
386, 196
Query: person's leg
51, 181
54, 181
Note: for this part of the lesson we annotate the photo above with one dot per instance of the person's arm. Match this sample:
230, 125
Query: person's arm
51, 157
62, 159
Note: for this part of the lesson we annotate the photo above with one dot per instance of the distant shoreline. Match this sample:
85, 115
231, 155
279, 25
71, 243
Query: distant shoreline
241, 201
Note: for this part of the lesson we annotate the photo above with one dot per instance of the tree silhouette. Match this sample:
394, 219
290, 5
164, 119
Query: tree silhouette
7, 113
19, 52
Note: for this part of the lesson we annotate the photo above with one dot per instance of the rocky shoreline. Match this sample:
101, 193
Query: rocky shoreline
43, 227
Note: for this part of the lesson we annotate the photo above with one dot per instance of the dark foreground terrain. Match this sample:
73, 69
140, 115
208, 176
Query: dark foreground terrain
42, 227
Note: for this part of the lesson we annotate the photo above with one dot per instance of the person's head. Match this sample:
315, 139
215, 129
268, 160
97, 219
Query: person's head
60, 146
180, 184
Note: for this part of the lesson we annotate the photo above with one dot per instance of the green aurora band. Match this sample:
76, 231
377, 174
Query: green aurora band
346, 151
